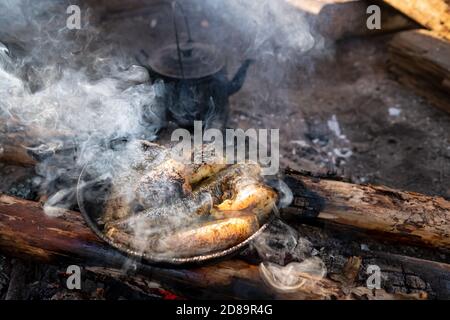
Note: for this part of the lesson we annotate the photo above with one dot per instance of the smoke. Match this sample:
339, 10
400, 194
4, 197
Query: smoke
288, 262
76, 84
277, 35
271, 28
293, 276
84, 86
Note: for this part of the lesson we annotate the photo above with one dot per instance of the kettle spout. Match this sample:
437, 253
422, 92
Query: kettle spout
238, 80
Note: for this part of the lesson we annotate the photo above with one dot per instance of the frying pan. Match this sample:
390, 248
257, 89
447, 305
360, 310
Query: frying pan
92, 195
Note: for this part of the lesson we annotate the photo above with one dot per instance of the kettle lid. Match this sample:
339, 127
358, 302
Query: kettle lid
198, 60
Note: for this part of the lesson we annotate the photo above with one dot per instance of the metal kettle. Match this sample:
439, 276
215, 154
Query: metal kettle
192, 80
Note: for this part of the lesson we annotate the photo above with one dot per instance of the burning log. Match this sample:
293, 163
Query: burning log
397, 215
12, 148
420, 59
17, 155
432, 14
26, 232
437, 274
22, 145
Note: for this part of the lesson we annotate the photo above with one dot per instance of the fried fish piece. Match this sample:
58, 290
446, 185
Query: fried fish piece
205, 163
199, 172
221, 185
159, 185
120, 198
251, 195
208, 238
181, 212
239, 187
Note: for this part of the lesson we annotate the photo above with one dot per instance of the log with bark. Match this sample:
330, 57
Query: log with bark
24, 145
342, 19
420, 59
408, 217
436, 274
432, 14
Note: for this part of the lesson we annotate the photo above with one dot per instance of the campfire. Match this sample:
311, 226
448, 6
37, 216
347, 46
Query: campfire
129, 150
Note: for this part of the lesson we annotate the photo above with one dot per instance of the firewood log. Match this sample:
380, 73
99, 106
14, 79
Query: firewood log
16, 155
421, 61
17, 141
436, 274
432, 14
409, 217
397, 215
348, 18
27, 232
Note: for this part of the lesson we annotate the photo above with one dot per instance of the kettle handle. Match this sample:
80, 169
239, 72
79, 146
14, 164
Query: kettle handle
238, 80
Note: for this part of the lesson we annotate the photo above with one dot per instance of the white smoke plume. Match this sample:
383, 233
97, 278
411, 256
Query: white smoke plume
74, 82
85, 85
287, 258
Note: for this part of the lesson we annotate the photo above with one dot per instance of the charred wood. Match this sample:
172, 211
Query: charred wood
396, 215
